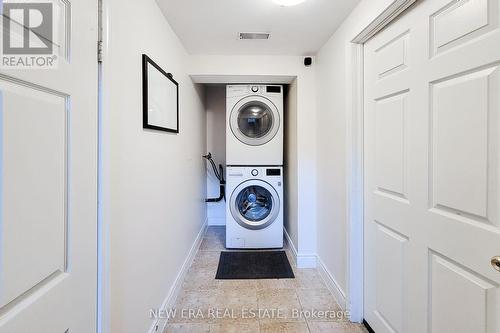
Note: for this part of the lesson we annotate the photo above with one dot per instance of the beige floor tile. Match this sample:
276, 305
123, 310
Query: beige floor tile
336, 327
319, 305
289, 283
212, 244
188, 328
195, 306
270, 284
235, 327
298, 327
200, 280
206, 259
225, 304
278, 305
237, 298
216, 232
308, 279
199, 268
273, 298
317, 299
236, 284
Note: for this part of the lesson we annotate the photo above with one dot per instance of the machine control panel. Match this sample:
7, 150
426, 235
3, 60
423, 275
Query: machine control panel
273, 172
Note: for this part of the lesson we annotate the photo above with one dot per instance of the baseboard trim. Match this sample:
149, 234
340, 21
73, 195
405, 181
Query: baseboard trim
169, 302
290, 245
302, 260
216, 221
332, 284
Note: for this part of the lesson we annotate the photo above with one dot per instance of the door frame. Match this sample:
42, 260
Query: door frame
355, 153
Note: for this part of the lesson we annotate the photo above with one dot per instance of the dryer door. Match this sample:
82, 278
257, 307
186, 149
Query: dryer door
254, 204
254, 120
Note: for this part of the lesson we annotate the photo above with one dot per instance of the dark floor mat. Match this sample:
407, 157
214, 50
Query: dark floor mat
254, 265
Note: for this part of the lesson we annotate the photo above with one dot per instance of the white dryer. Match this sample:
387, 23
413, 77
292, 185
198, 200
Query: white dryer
254, 119
254, 209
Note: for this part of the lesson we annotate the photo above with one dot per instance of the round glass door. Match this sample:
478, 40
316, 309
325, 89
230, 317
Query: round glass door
254, 205
254, 120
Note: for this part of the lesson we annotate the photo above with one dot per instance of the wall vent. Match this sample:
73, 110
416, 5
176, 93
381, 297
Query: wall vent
254, 35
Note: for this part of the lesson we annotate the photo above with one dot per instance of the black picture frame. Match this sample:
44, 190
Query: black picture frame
145, 90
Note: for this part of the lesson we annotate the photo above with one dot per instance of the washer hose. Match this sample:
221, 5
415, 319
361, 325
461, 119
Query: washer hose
220, 176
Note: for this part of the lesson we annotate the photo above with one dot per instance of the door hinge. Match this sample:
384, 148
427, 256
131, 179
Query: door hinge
99, 51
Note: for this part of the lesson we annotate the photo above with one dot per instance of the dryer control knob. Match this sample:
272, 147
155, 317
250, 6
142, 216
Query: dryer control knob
255, 89
255, 172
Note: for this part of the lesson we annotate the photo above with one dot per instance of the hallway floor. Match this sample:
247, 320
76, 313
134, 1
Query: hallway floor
300, 305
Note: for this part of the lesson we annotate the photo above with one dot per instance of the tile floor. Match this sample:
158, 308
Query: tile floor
206, 305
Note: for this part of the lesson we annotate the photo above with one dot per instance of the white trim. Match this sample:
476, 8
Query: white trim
355, 167
250, 79
291, 245
301, 260
355, 202
216, 221
176, 288
383, 20
332, 284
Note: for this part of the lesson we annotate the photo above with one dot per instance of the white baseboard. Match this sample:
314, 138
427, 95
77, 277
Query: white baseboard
290, 245
332, 284
169, 302
302, 260
216, 221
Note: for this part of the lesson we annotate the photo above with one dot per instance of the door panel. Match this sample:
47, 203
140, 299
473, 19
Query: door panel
461, 105
391, 57
35, 162
431, 170
390, 144
451, 283
48, 183
461, 21
391, 255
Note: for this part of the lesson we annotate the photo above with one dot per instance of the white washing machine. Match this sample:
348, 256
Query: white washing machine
254, 208
254, 120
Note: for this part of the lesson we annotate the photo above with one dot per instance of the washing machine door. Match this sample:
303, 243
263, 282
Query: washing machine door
254, 120
254, 204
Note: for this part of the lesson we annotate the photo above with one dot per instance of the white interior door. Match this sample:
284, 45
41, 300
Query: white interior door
48, 156
432, 150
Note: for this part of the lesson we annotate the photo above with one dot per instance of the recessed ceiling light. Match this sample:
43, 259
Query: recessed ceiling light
286, 3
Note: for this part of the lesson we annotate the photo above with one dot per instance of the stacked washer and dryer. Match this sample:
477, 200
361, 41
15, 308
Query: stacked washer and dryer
254, 158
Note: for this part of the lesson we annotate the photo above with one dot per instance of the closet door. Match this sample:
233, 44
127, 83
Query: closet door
432, 152
48, 170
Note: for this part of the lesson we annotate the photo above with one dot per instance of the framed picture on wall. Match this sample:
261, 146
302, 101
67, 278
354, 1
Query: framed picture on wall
160, 98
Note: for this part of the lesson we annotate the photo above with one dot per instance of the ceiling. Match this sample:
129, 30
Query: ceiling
212, 26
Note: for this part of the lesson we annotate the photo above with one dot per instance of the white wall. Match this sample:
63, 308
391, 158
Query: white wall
283, 66
215, 103
333, 80
154, 183
291, 163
